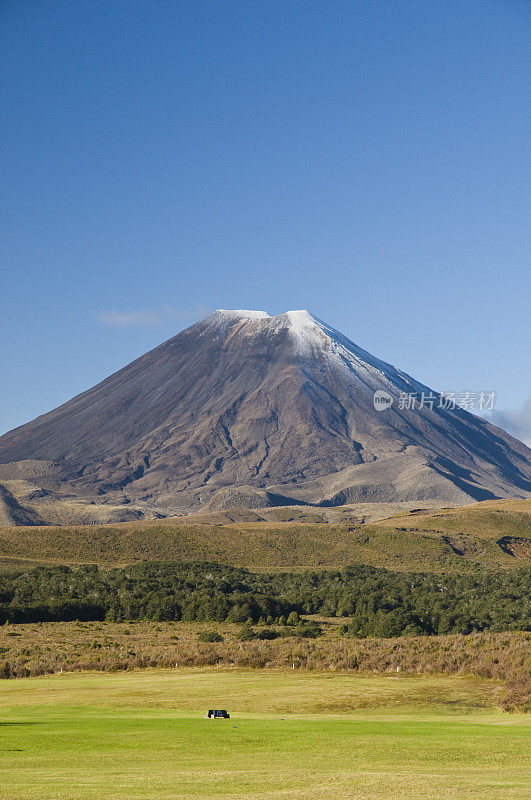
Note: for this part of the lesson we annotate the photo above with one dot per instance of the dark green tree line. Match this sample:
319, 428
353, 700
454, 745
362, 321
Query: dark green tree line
377, 601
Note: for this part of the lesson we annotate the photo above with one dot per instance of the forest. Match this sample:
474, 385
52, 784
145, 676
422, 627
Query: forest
377, 602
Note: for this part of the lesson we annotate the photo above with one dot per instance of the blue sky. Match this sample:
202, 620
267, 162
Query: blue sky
368, 161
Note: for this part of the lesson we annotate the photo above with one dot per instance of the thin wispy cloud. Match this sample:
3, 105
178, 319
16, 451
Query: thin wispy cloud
517, 422
149, 317
127, 319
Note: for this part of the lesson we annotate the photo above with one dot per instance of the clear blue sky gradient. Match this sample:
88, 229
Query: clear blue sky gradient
368, 161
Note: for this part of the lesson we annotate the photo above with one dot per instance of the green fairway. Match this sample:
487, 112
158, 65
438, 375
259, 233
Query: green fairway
291, 735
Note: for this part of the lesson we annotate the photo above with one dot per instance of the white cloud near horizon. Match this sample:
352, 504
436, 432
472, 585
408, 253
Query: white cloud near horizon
149, 317
517, 422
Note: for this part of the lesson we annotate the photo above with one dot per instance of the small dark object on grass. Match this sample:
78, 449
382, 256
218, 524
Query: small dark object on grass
217, 714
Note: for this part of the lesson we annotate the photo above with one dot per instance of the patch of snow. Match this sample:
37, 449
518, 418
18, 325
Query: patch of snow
306, 336
223, 318
313, 339
224, 314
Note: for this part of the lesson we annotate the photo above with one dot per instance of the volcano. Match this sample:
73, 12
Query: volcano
249, 409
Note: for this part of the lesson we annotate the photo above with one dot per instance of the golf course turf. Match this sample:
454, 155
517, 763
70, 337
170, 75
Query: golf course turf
292, 734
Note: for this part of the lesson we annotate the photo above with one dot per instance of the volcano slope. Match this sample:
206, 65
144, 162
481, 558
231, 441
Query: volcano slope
243, 409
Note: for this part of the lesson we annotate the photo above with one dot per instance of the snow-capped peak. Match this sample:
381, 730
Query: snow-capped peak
222, 313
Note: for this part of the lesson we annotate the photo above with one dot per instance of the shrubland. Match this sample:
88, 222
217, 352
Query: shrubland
52, 647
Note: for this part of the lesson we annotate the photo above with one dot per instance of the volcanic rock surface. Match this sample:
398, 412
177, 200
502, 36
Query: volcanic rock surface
251, 410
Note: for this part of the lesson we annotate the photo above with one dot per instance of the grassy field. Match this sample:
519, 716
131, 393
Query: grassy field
291, 735
51, 647
492, 534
